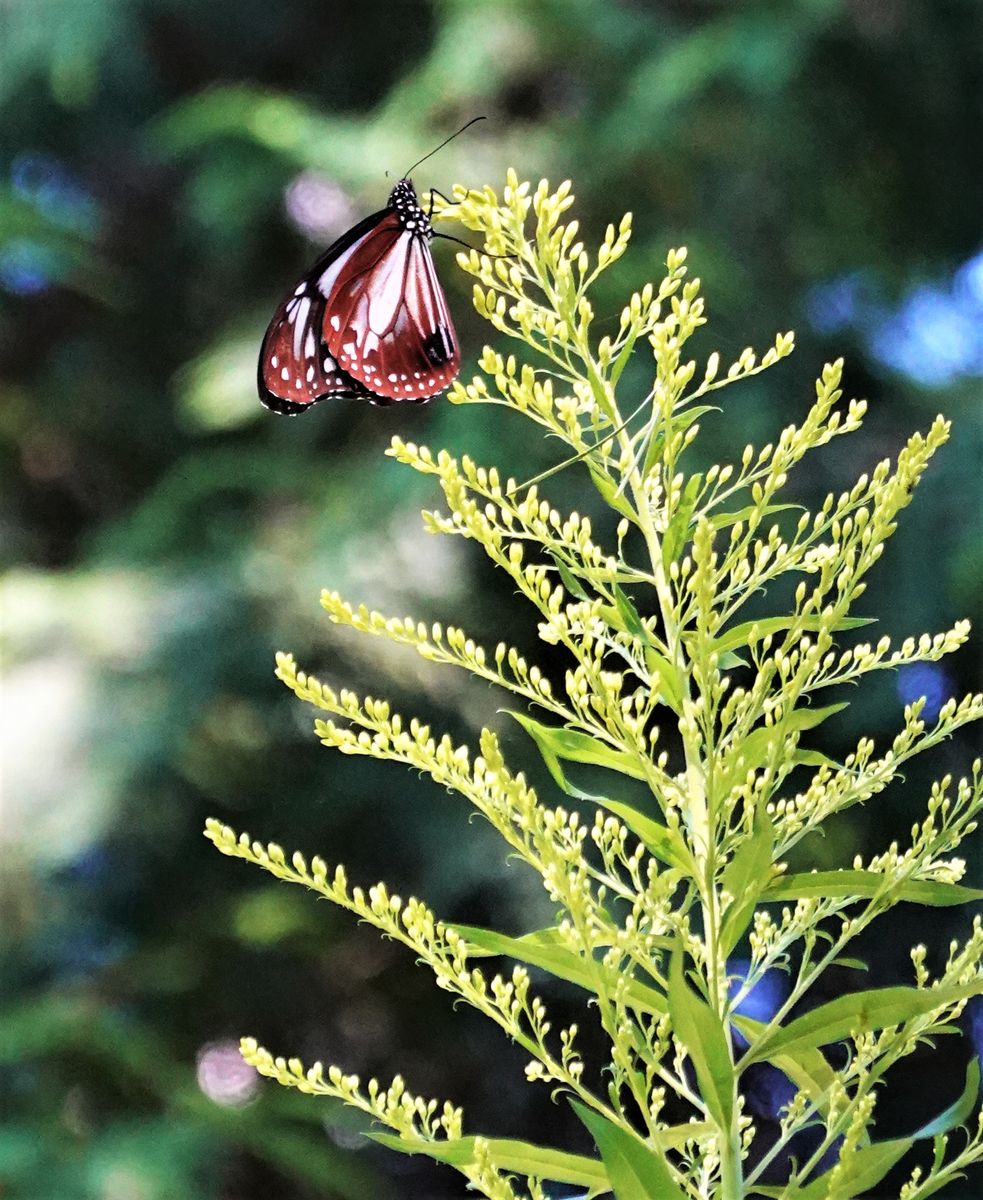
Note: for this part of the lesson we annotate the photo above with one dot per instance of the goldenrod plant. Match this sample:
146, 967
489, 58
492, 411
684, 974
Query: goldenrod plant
674, 905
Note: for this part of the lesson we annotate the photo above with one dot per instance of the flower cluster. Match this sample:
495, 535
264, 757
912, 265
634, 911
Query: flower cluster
671, 683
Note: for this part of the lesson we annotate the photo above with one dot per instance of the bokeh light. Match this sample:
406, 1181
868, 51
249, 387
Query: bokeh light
928, 681
25, 267
934, 336
318, 206
223, 1075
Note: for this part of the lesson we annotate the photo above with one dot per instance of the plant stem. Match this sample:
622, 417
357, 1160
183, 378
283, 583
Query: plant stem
701, 830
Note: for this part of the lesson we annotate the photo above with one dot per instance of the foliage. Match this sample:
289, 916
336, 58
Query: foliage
705, 633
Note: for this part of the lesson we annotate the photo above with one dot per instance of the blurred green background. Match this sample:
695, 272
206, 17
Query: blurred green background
167, 169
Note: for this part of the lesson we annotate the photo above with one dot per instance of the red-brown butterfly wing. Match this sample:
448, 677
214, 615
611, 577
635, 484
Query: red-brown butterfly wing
386, 320
296, 369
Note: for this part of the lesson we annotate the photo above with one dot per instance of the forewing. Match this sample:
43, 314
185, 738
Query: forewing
296, 369
386, 319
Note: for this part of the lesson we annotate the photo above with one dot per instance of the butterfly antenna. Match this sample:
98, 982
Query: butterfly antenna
473, 120
567, 462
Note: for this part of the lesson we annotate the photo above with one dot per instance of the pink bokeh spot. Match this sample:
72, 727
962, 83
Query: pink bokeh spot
319, 207
224, 1077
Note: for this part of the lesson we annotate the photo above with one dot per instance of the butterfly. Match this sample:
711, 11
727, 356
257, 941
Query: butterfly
369, 320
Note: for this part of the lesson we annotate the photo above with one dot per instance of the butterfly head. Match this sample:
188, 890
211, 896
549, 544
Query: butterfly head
407, 207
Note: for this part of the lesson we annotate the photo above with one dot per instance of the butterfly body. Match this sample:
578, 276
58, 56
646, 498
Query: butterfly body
368, 321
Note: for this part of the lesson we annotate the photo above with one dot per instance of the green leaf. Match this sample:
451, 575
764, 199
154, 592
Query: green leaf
746, 877
625, 354
629, 614
522, 1157
670, 684
699, 1029
570, 582
807, 1069
677, 535
959, 1110
677, 422
865, 884
809, 718
858, 1012
725, 519
861, 1170
542, 950
814, 758
624, 616
759, 746
636, 1171
556, 743
855, 964
609, 492
740, 635
664, 843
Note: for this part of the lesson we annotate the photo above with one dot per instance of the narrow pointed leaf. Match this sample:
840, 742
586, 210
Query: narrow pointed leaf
809, 718
807, 1069
740, 635
508, 1155
659, 840
621, 361
570, 581
858, 1012
629, 614
542, 950
745, 878
865, 884
677, 535
608, 491
570, 745
623, 615
670, 684
636, 1171
855, 964
664, 843
725, 519
862, 1170
677, 423
761, 744
699, 1029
